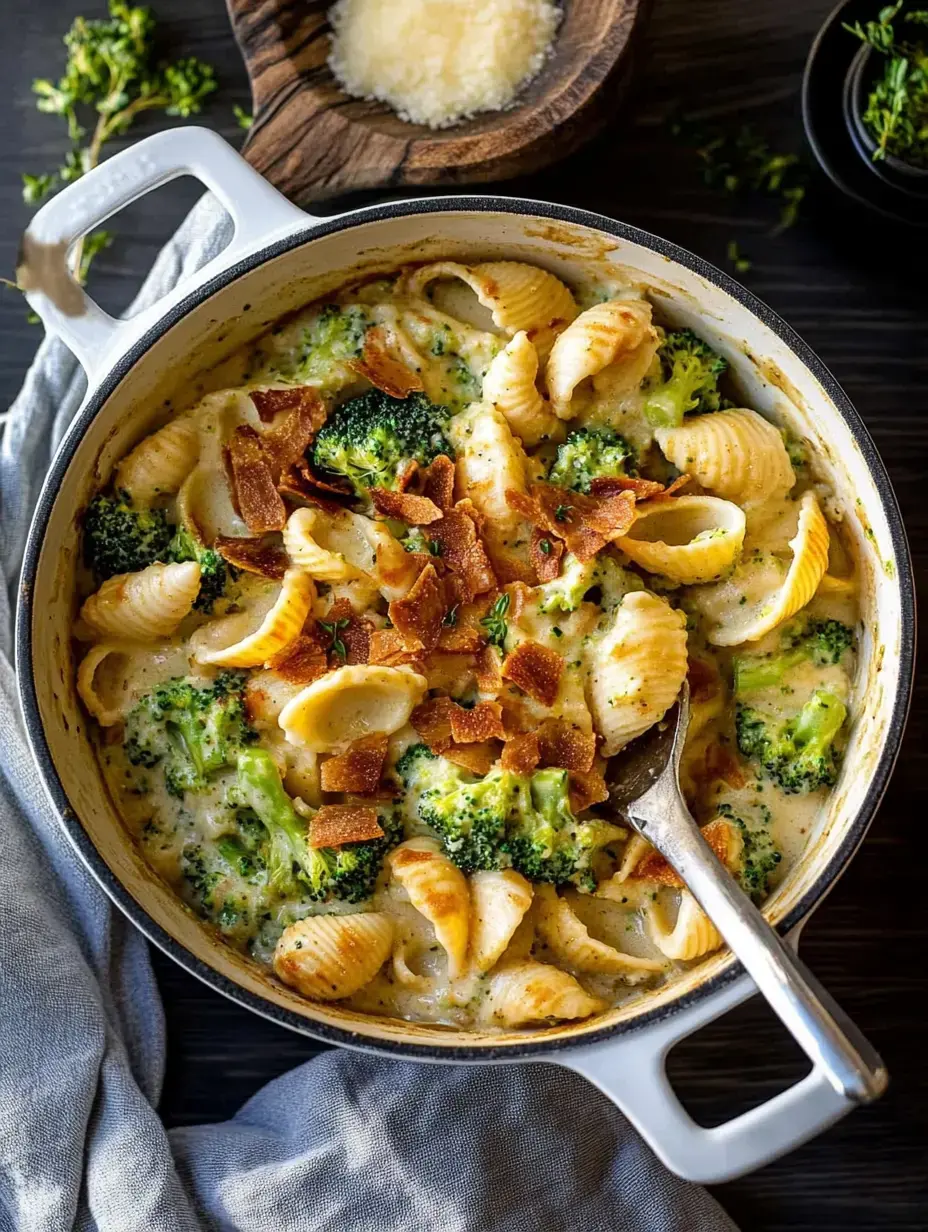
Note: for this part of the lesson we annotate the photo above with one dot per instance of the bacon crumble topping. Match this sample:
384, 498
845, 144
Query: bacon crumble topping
358, 770
407, 506
380, 366
253, 555
336, 824
536, 670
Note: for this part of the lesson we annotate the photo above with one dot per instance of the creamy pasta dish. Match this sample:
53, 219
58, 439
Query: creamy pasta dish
362, 629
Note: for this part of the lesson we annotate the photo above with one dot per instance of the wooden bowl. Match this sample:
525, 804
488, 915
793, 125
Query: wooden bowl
311, 140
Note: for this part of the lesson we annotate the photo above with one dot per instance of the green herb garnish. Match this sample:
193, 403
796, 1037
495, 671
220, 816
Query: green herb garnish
111, 73
897, 106
333, 628
495, 622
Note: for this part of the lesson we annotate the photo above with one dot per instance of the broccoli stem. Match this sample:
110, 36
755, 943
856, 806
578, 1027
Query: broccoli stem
261, 790
815, 726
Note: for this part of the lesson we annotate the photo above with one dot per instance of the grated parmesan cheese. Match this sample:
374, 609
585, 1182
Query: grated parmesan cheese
440, 61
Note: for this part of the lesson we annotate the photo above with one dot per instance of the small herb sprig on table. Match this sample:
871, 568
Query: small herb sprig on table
111, 76
741, 162
897, 106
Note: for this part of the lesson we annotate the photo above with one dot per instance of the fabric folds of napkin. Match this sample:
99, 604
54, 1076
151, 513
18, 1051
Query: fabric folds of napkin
345, 1142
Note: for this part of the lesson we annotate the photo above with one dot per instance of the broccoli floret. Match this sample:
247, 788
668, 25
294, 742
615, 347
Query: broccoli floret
335, 336
191, 730
822, 642
798, 754
121, 539
588, 454
603, 575
214, 572
294, 867
690, 370
467, 813
370, 439
760, 854
503, 819
544, 840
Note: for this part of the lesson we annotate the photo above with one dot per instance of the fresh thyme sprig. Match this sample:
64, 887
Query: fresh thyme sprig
333, 628
495, 622
897, 106
111, 76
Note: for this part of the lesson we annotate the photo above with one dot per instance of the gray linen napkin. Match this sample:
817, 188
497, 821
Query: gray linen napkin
346, 1143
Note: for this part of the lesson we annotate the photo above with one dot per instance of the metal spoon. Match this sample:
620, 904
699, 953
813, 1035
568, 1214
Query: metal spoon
645, 789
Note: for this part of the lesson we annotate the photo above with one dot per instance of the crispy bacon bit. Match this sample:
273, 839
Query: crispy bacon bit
680, 482
438, 482
545, 553
432, 720
610, 485
653, 867
721, 763
585, 523
270, 402
562, 744
477, 758
483, 722
254, 483
358, 769
253, 555
463, 552
520, 597
522, 754
384, 370
460, 639
419, 615
336, 824
487, 670
390, 649
587, 787
302, 662
285, 445
612, 516
704, 679
416, 510
536, 670
303, 483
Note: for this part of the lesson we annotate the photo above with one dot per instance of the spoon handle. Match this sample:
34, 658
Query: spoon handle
817, 1023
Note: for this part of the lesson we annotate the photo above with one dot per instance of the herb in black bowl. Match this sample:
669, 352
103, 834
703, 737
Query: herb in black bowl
886, 96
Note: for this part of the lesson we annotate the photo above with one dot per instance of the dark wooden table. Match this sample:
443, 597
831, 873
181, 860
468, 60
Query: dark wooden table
856, 289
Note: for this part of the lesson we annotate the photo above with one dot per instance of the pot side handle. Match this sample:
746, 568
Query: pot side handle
258, 212
631, 1071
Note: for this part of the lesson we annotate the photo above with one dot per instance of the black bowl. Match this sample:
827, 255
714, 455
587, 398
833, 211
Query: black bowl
828, 133
894, 171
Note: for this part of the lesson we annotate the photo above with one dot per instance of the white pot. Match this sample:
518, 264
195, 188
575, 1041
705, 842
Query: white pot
279, 259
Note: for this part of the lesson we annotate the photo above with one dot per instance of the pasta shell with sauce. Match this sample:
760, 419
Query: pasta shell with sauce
309, 539
522, 993
438, 890
500, 900
350, 703
327, 957
636, 669
734, 622
88, 688
159, 464
693, 933
569, 940
689, 539
737, 454
143, 606
614, 338
519, 296
509, 386
278, 629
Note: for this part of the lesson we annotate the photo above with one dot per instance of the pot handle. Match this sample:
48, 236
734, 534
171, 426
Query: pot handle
258, 211
632, 1072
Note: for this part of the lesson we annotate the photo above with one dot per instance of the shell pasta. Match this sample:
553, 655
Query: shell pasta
359, 635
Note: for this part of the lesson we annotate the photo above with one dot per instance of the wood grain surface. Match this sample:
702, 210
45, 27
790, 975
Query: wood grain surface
311, 140
856, 289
